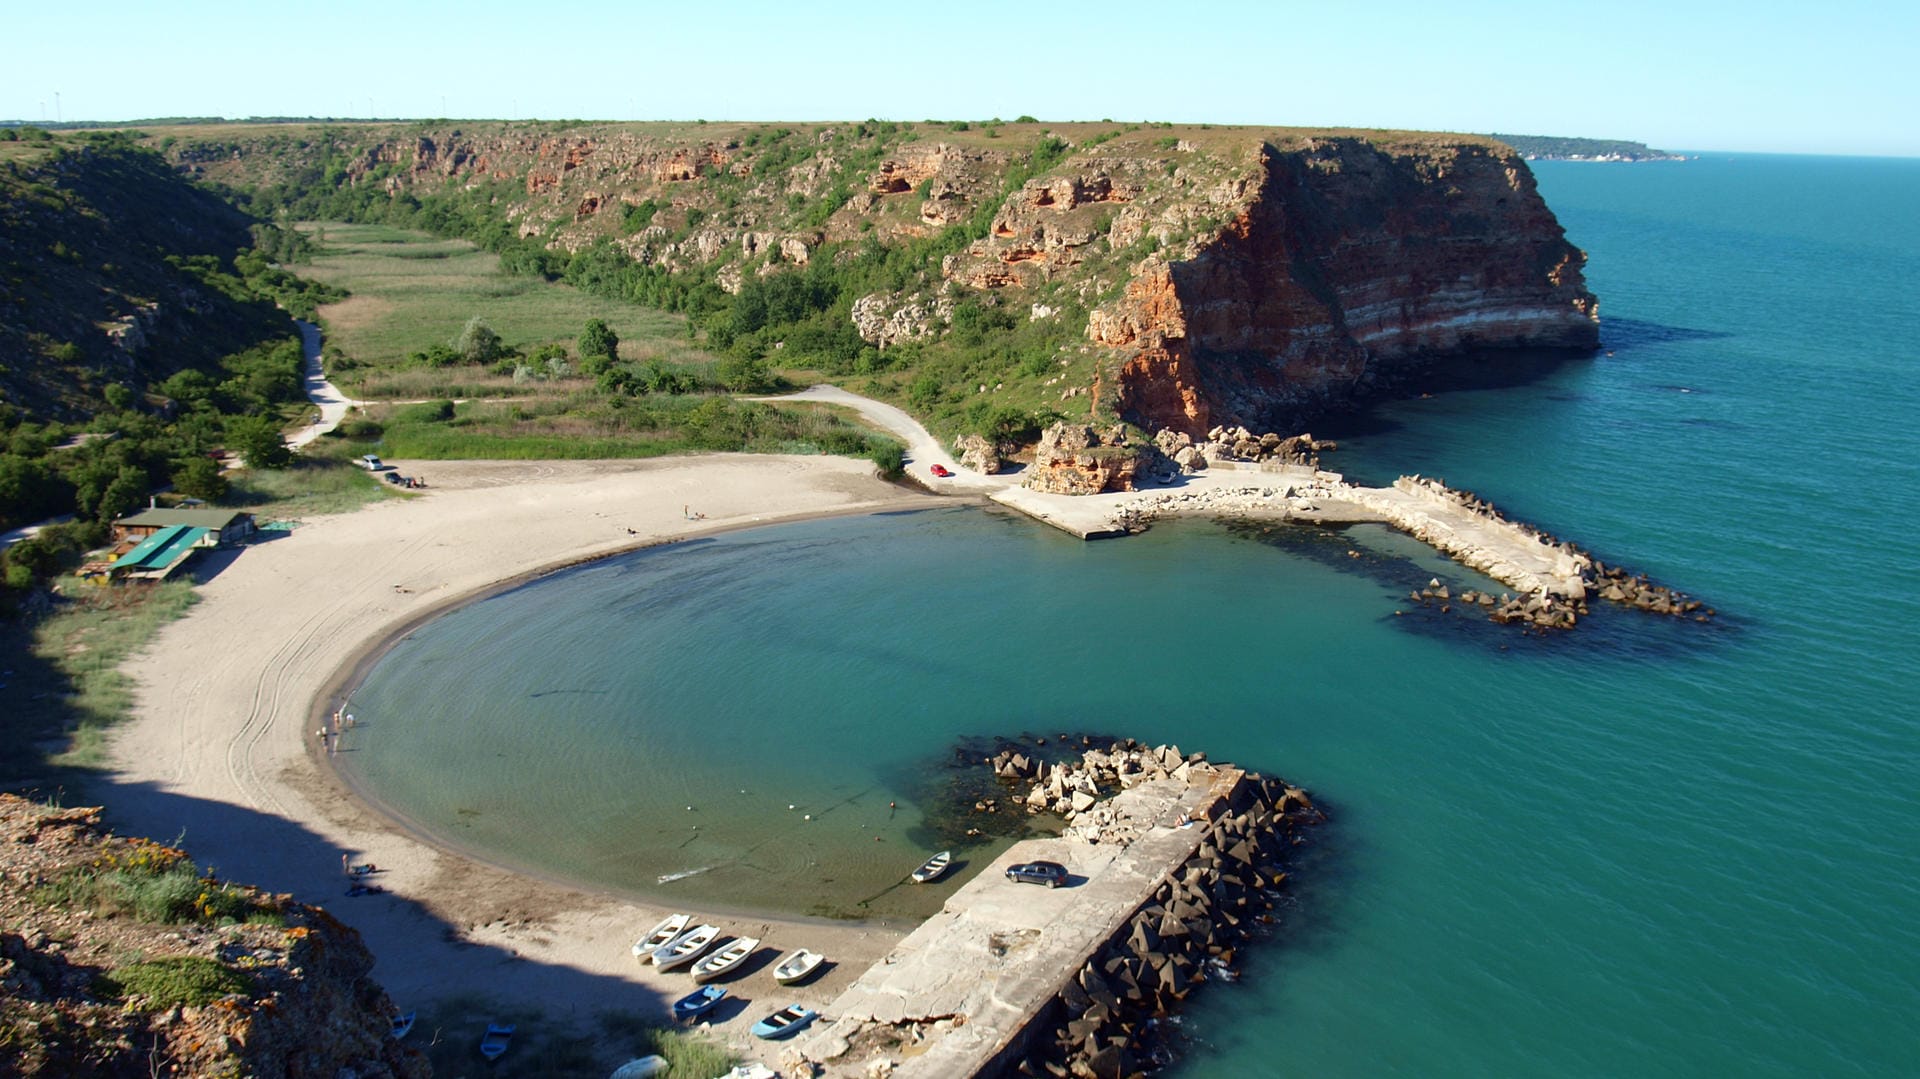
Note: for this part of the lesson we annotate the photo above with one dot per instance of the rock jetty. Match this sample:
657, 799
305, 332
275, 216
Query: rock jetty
1553, 580
1175, 863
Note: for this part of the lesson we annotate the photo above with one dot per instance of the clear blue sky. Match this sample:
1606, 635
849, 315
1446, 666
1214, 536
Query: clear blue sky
1832, 77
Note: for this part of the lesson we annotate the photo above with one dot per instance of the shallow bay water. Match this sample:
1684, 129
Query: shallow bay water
1645, 847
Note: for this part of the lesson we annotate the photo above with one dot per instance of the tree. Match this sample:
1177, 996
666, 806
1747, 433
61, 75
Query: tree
598, 339
258, 441
127, 490
477, 342
200, 478
743, 374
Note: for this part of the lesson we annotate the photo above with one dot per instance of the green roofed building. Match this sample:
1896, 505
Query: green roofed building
160, 554
218, 526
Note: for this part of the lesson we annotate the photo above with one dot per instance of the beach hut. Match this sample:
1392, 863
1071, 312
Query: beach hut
218, 527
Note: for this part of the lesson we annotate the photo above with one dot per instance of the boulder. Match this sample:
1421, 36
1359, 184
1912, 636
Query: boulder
977, 454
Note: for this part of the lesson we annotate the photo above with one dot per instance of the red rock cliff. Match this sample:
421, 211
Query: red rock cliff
1347, 260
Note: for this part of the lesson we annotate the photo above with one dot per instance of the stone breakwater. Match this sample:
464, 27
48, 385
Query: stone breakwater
1174, 863
1554, 579
1104, 1021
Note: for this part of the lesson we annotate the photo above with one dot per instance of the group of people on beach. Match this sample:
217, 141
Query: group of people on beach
330, 734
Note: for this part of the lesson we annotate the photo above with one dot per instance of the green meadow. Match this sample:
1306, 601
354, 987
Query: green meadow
411, 291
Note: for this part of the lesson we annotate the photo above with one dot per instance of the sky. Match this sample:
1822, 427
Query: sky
1835, 77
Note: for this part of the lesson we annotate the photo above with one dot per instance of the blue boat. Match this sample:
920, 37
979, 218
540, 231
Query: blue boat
786, 1022
698, 1002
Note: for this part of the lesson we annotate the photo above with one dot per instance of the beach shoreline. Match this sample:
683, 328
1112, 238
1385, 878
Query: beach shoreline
220, 750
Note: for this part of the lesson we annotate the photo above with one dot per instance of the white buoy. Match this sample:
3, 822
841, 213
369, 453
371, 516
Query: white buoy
807, 817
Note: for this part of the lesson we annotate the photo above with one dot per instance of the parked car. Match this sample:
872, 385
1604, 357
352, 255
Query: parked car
371, 463
941, 471
1051, 874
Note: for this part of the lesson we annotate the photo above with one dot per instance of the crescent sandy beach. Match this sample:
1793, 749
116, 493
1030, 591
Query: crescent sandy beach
222, 752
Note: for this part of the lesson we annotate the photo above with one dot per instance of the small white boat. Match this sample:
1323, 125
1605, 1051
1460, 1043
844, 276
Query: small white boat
686, 947
754, 1070
934, 866
402, 1025
797, 966
725, 959
641, 1068
499, 1036
669, 928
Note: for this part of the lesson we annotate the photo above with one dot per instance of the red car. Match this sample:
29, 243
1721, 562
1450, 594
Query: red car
941, 471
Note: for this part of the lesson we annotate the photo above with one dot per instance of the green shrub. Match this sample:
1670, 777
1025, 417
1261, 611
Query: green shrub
889, 456
425, 412
693, 1054
179, 981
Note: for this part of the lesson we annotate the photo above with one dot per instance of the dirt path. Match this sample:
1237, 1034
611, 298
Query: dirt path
331, 403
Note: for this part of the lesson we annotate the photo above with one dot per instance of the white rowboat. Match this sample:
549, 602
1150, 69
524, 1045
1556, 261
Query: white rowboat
724, 960
934, 866
657, 937
686, 947
797, 965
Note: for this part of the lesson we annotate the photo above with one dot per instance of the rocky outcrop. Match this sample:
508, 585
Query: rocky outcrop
1076, 459
89, 972
1347, 262
978, 454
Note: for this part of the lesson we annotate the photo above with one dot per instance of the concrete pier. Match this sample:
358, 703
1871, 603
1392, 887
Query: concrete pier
962, 994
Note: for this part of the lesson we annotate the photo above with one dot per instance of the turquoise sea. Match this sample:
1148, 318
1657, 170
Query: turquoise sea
1645, 848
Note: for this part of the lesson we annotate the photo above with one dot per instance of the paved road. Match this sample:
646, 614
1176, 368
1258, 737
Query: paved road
923, 450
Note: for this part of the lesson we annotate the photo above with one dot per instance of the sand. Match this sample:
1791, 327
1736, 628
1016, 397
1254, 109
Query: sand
221, 752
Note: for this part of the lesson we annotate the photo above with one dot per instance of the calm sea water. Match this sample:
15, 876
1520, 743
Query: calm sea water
1645, 848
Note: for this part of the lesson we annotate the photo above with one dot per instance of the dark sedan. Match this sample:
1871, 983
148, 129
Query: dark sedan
1051, 874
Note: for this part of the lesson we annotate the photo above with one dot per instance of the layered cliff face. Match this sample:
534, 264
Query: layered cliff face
1345, 261
1197, 276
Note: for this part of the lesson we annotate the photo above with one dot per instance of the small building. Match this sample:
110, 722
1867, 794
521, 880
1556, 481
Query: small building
217, 527
159, 555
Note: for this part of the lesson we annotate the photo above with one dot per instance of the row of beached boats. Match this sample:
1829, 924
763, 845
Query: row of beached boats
676, 943
672, 945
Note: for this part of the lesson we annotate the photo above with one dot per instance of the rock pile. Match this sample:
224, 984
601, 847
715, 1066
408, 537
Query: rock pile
1541, 609
1073, 788
1239, 444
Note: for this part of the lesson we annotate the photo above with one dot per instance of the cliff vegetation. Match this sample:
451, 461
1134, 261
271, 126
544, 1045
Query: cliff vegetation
121, 957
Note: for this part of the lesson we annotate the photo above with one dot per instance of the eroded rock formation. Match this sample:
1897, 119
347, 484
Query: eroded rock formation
1076, 459
1345, 260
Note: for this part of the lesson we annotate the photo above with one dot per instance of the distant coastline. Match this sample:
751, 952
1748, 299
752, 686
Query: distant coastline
1568, 148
